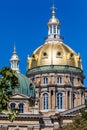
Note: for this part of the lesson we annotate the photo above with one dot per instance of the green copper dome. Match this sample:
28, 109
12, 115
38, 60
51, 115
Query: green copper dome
24, 86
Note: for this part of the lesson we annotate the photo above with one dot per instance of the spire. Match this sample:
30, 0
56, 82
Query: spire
14, 49
53, 27
53, 11
14, 61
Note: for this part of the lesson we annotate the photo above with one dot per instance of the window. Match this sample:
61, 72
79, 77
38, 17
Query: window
72, 80
44, 54
51, 30
59, 100
71, 54
45, 101
12, 106
45, 80
54, 36
54, 29
59, 80
21, 108
59, 54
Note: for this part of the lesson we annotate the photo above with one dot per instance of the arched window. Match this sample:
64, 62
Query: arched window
59, 80
12, 106
59, 100
21, 108
45, 80
45, 101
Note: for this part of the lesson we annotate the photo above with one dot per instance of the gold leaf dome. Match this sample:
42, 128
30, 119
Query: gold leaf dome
54, 53
53, 20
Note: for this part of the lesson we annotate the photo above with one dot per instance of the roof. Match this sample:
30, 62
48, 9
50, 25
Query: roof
25, 86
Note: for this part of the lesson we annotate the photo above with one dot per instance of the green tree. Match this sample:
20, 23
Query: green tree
8, 81
79, 122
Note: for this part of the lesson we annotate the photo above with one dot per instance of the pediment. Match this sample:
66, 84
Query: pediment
20, 96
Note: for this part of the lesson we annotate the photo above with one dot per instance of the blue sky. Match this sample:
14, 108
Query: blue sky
23, 22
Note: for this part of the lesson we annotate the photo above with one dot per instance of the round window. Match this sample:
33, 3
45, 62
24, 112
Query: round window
59, 53
44, 54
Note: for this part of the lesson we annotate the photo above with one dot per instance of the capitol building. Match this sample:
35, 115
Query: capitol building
53, 91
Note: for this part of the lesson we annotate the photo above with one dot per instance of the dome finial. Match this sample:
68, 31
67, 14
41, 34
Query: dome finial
14, 49
14, 61
53, 10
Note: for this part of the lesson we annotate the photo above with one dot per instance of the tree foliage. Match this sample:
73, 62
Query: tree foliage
8, 81
79, 122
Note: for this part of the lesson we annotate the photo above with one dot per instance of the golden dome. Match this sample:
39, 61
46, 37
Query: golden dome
54, 53
53, 20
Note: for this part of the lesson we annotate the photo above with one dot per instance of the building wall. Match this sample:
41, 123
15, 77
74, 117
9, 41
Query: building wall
72, 83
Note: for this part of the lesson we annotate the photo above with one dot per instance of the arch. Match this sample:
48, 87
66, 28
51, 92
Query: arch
60, 101
21, 108
45, 101
12, 106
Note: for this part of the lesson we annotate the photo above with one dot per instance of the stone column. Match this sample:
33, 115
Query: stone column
66, 99
70, 100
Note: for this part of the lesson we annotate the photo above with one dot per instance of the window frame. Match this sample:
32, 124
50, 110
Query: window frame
45, 101
21, 109
60, 100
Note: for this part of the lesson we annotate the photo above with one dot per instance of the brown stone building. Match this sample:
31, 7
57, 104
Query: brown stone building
53, 88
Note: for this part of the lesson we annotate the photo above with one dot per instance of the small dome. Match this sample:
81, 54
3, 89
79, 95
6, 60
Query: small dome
24, 86
54, 53
53, 20
14, 57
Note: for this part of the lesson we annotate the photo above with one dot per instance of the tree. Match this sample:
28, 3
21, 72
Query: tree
79, 122
8, 81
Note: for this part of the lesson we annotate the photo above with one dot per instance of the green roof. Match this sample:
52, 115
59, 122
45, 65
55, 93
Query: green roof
24, 86
53, 68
